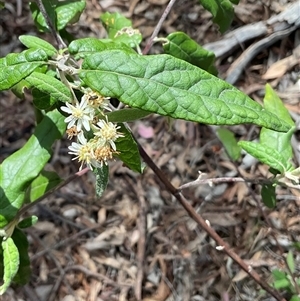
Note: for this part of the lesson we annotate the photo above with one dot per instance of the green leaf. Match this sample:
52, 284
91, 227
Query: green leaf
101, 179
19, 88
14, 67
18, 170
11, 262
228, 140
265, 155
24, 271
41, 100
127, 115
281, 284
38, 17
279, 141
68, 12
268, 195
129, 152
290, 261
278, 275
61, 13
87, 46
35, 42
28, 222
45, 181
51, 85
113, 23
171, 87
222, 11
183, 47
295, 298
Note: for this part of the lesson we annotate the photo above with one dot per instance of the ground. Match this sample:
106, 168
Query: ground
88, 248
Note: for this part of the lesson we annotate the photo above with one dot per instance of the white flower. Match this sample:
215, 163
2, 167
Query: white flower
83, 151
80, 115
96, 100
107, 132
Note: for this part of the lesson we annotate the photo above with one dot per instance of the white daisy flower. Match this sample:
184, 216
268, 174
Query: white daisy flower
108, 132
80, 115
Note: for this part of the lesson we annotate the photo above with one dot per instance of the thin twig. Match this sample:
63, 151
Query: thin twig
60, 43
223, 180
49, 192
158, 26
141, 246
206, 227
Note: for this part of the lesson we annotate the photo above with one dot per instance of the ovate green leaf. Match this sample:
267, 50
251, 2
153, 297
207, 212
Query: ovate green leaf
114, 22
290, 261
129, 152
11, 262
268, 195
37, 43
45, 181
50, 85
28, 222
87, 46
127, 115
222, 11
228, 140
19, 169
101, 179
14, 67
264, 154
168, 86
24, 271
279, 141
183, 47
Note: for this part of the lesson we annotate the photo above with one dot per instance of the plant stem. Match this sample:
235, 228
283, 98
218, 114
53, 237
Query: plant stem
206, 227
60, 43
158, 26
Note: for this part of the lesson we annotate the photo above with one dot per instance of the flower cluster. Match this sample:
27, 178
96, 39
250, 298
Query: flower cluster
86, 119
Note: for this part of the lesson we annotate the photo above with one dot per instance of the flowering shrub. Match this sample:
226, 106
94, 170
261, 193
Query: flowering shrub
71, 88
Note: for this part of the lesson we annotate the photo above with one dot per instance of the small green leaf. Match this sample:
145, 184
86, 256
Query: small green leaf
68, 12
127, 115
228, 140
11, 262
129, 152
87, 46
265, 155
281, 284
171, 87
51, 85
38, 17
278, 275
61, 13
41, 100
113, 23
295, 298
28, 222
222, 11
24, 271
290, 261
276, 140
183, 47
20, 87
15, 67
45, 181
19, 169
101, 179
35, 42
268, 195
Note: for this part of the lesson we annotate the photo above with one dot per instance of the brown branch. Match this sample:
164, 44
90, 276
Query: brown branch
158, 26
206, 227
